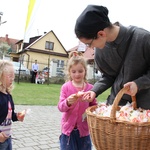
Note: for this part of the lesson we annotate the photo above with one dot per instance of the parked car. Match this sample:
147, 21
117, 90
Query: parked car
45, 70
60, 73
23, 69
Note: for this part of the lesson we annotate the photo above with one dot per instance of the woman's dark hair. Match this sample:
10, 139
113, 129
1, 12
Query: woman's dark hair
85, 35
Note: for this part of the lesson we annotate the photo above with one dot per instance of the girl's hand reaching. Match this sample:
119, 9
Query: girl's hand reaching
74, 97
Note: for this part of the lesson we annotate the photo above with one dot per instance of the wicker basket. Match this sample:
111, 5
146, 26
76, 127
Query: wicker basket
107, 133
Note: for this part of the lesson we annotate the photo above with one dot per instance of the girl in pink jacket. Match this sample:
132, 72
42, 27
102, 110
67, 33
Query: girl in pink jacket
75, 132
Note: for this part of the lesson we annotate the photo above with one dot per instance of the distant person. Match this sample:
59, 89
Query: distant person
40, 79
74, 127
7, 114
35, 68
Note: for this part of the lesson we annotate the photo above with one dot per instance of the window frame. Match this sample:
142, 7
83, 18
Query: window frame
49, 45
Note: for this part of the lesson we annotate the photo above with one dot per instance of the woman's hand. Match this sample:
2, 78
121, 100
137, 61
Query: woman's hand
132, 88
89, 96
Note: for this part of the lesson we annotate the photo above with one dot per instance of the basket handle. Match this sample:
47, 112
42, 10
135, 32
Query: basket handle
117, 100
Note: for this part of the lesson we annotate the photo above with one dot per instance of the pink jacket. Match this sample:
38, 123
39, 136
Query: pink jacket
72, 116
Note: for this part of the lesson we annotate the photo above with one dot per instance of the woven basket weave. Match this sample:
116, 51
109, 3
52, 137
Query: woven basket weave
107, 133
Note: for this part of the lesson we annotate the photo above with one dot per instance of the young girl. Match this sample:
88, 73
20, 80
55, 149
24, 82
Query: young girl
7, 114
75, 132
40, 78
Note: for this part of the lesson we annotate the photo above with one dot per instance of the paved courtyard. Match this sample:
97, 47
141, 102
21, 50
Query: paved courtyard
40, 129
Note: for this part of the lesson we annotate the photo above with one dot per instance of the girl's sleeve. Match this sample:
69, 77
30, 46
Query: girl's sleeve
14, 115
62, 104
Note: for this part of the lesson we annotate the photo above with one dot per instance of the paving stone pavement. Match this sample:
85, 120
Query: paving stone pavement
40, 129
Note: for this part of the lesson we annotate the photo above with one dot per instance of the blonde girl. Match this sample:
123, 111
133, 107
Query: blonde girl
74, 127
7, 114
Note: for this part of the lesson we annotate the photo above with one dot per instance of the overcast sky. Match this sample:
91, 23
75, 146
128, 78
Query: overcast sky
60, 16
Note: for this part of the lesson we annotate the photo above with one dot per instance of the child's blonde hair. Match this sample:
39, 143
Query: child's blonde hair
75, 58
3, 68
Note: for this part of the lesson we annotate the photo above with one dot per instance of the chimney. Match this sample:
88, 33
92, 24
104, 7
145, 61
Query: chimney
6, 37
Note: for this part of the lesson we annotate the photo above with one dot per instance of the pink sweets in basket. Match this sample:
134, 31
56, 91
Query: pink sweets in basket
126, 113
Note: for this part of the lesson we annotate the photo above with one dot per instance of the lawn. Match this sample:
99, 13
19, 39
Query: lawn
40, 94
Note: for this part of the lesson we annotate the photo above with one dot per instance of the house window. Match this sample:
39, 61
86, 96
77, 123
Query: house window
19, 46
49, 45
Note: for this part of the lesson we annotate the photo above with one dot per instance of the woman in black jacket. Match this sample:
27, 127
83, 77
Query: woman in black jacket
122, 54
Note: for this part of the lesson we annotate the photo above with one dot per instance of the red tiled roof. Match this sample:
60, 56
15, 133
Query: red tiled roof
89, 53
9, 41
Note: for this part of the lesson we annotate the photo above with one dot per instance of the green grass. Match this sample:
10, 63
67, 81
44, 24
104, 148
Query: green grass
40, 94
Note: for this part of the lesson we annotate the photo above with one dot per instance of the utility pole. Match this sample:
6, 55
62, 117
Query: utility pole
51, 47
1, 14
48, 69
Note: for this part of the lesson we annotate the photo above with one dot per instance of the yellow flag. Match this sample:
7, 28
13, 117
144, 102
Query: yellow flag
30, 9
31, 15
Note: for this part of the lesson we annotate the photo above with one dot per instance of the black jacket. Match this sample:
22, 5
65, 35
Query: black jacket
4, 98
123, 60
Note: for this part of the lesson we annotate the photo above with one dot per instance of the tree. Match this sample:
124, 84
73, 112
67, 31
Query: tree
4, 50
